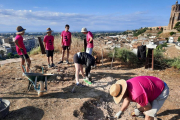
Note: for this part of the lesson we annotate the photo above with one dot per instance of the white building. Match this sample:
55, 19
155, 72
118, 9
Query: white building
171, 40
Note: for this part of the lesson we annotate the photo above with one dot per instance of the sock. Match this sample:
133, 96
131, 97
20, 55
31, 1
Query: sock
77, 83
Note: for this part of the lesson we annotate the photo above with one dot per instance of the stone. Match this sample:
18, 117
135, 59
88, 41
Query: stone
18, 78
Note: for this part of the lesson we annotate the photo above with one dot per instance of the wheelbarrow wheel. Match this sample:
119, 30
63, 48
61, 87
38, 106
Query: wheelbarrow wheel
41, 88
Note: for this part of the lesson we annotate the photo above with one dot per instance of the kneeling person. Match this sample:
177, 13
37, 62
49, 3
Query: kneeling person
80, 59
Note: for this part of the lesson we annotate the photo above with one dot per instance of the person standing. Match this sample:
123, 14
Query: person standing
20, 47
49, 46
148, 92
65, 43
89, 39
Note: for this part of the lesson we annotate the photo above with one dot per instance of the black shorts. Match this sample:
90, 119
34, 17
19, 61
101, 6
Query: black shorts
49, 53
65, 47
26, 56
77, 59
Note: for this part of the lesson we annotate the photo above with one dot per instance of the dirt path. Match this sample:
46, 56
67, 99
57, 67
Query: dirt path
92, 102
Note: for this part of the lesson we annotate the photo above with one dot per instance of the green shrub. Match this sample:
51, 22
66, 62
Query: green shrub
16, 56
124, 55
35, 51
172, 33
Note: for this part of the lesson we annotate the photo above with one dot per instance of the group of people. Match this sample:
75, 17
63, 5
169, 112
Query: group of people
80, 59
148, 92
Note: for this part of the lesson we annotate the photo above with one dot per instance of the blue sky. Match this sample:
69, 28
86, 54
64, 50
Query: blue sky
37, 15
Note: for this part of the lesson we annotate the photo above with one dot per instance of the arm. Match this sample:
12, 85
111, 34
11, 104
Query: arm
125, 104
91, 39
123, 108
16, 42
145, 108
44, 45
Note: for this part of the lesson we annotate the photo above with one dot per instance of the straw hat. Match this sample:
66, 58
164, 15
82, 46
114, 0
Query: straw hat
49, 30
84, 30
118, 89
20, 30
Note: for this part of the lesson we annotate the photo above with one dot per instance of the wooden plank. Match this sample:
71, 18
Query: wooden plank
85, 45
41, 46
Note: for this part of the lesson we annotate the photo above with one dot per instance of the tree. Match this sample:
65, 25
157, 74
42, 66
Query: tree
157, 28
177, 26
161, 28
150, 28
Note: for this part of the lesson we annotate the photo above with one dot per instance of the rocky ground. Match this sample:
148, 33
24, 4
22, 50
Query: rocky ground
91, 103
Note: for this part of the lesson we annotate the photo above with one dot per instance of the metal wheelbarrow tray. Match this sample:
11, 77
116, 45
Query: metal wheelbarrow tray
38, 77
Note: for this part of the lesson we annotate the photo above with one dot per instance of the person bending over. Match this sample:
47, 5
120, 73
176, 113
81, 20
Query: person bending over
80, 59
148, 92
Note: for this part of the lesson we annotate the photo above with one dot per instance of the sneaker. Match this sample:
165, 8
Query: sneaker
49, 66
52, 65
23, 74
60, 62
80, 85
67, 61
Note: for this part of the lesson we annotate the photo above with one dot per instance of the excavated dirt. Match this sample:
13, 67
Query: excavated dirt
91, 103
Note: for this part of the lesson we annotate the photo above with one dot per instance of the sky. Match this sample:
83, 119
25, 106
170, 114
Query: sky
95, 15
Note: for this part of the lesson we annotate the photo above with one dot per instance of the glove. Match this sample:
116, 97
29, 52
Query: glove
137, 112
118, 115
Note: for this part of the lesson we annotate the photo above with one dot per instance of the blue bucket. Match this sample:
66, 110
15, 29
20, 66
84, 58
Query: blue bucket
4, 108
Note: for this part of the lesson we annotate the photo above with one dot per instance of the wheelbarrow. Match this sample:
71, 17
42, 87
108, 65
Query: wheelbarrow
4, 108
38, 77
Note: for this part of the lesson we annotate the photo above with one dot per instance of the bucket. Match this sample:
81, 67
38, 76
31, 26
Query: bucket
4, 108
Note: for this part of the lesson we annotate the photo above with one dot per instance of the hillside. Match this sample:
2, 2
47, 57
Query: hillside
91, 102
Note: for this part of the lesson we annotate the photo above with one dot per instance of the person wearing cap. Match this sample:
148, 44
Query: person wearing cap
49, 46
20, 48
65, 43
89, 39
80, 59
148, 92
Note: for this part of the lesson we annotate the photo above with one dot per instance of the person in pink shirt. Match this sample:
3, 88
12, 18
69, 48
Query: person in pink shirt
49, 46
89, 39
148, 92
65, 43
21, 47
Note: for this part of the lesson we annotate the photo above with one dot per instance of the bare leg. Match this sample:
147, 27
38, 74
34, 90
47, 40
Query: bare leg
81, 69
48, 61
77, 67
22, 64
63, 51
29, 64
52, 59
67, 54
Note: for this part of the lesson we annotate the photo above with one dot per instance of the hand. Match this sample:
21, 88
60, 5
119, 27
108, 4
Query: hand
90, 41
69, 48
118, 115
21, 49
62, 46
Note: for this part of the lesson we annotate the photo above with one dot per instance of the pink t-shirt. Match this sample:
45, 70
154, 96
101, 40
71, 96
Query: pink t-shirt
144, 89
49, 41
66, 38
88, 36
19, 38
